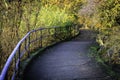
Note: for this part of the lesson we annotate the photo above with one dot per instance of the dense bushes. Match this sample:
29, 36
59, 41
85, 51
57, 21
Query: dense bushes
19, 17
109, 34
10, 18
105, 20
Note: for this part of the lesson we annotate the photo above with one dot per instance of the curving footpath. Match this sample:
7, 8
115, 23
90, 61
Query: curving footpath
65, 61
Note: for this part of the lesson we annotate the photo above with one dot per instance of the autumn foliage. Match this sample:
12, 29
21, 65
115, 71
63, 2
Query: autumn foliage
17, 17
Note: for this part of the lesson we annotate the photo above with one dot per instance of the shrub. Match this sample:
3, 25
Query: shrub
19, 17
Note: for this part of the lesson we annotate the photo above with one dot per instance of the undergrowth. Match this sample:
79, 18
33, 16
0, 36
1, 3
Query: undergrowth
108, 68
19, 17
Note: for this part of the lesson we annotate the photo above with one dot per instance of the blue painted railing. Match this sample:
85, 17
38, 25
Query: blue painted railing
36, 38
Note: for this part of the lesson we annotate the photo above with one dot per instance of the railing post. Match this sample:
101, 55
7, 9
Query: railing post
29, 46
60, 33
49, 35
36, 38
15, 65
19, 54
74, 30
41, 38
49, 31
67, 32
25, 45
55, 33
78, 29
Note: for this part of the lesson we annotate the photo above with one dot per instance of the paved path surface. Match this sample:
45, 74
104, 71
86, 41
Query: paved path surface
66, 61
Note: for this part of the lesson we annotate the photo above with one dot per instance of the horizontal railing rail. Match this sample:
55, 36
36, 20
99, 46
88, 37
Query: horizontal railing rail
32, 40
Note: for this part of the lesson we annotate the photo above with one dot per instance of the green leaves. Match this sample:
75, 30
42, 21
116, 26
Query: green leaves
109, 10
53, 16
108, 21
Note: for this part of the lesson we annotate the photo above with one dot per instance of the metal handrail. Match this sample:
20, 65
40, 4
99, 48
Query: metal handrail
17, 49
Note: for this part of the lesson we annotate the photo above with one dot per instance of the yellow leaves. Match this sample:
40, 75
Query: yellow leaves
98, 25
54, 16
115, 28
105, 22
17, 19
69, 5
6, 4
111, 40
109, 10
